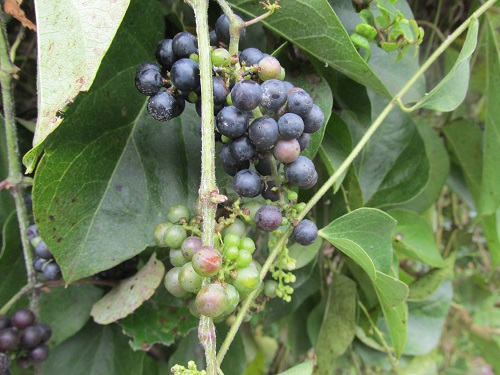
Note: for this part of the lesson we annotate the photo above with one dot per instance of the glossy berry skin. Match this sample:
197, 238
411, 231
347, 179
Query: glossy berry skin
4, 322
268, 218
171, 283
52, 271
22, 318
290, 126
190, 246
299, 102
45, 331
220, 57
174, 236
162, 106
42, 250
38, 264
242, 149
184, 44
246, 95
177, 213
30, 337
220, 90
39, 354
300, 172
189, 279
269, 193
304, 141
232, 122
314, 120
263, 132
274, 94
160, 232
185, 75
247, 183
311, 183
286, 150
9, 339
31, 232
269, 68
207, 261
177, 258
250, 56
148, 79
165, 54
222, 29
244, 258
214, 42
211, 300
264, 167
305, 233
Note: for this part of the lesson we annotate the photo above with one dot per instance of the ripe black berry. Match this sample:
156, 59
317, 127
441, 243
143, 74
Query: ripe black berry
9, 339
246, 95
148, 79
39, 354
231, 170
299, 102
42, 250
214, 42
184, 44
269, 193
52, 271
311, 183
30, 337
185, 75
232, 122
4, 364
290, 126
314, 120
251, 56
22, 318
304, 141
263, 132
264, 167
274, 94
247, 183
165, 54
268, 218
4, 322
220, 90
242, 149
300, 172
222, 29
31, 232
45, 331
162, 106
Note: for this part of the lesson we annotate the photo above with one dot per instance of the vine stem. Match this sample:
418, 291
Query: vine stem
208, 189
343, 168
15, 177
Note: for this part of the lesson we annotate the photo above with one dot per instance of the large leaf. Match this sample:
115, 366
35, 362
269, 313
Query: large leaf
129, 294
393, 167
314, 27
451, 91
72, 38
414, 237
95, 350
161, 319
12, 267
490, 193
339, 323
67, 310
110, 168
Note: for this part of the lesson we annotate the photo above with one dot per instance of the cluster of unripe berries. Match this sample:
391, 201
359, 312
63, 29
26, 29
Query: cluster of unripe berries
23, 339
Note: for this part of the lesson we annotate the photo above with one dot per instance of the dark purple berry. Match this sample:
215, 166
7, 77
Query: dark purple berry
4, 322
220, 90
9, 340
165, 54
299, 102
268, 218
4, 364
39, 354
313, 121
264, 167
246, 95
247, 183
31, 232
181, 104
251, 56
304, 141
185, 75
52, 272
30, 337
232, 122
148, 79
269, 193
184, 44
23, 318
38, 264
242, 149
162, 106
288, 86
222, 29
232, 170
214, 42
311, 183
42, 250
290, 126
274, 94
300, 172
45, 331
263, 132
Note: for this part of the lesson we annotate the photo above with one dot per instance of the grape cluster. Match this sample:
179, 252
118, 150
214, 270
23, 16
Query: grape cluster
44, 262
24, 339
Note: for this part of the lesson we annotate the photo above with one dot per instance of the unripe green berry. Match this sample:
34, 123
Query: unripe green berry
174, 236
237, 227
231, 252
247, 279
160, 233
177, 258
300, 207
178, 212
220, 57
189, 279
171, 283
244, 258
194, 57
232, 239
211, 300
233, 298
270, 287
269, 68
246, 243
292, 195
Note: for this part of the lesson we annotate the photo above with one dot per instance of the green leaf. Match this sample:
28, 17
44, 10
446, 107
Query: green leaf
12, 267
426, 285
121, 171
426, 320
451, 91
188, 349
305, 368
365, 236
6, 201
314, 27
235, 359
414, 237
439, 164
160, 319
129, 294
68, 61
304, 254
490, 193
336, 146
67, 310
95, 350
489, 350
339, 324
